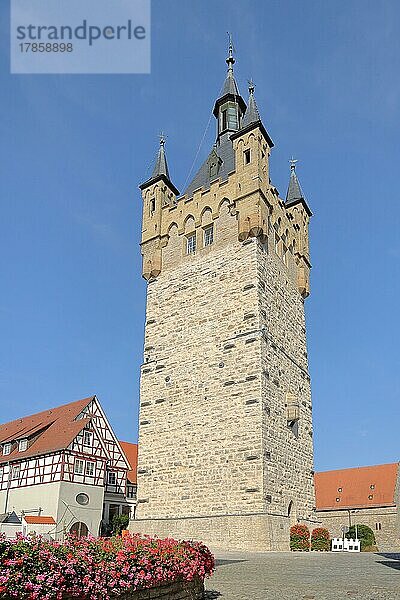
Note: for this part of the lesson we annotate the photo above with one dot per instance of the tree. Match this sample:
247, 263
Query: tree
119, 522
364, 533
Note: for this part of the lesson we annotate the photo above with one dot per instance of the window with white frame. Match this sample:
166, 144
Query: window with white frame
7, 448
88, 438
112, 478
191, 244
22, 445
89, 469
79, 466
208, 235
15, 472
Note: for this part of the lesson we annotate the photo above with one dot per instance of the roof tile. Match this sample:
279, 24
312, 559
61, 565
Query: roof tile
360, 487
50, 430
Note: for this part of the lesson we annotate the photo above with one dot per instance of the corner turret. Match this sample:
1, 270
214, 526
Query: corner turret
158, 193
299, 213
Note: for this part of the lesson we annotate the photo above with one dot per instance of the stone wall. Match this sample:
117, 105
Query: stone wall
225, 431
180, 590
225, 344
384, 522
226, 532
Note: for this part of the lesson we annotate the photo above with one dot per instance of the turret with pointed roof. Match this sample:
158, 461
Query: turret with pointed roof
160, 170
229, 109
158, 193
294, 192
252, 118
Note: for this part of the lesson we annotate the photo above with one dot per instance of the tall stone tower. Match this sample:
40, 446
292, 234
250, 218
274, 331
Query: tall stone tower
225, 442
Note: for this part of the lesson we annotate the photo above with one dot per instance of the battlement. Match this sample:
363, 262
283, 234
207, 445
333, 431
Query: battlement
198, 220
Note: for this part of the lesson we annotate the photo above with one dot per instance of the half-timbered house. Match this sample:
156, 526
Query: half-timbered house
66, 464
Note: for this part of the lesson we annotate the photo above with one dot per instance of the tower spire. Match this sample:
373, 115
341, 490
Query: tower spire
160, 170
230, 106
161, 166
294, 191
230, 61
251, 115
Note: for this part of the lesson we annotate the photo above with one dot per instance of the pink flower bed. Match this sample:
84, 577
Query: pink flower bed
96, 568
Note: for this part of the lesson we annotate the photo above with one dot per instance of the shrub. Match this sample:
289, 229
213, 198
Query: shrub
96, 568
365, 535
119, 522
300, 538
320, 539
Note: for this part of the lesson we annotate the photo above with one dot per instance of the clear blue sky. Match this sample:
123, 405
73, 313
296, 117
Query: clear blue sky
74, 149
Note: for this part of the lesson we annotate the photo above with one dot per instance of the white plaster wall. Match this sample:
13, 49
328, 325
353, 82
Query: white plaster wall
31, 498
70, 512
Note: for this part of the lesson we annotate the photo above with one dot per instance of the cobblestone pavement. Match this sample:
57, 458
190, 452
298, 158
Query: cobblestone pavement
305, 576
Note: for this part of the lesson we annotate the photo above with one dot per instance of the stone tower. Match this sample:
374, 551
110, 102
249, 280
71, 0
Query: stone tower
225, 438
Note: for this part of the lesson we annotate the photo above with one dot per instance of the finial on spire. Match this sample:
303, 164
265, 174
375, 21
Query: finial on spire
162, 138
293, 162
251, 85
230, 60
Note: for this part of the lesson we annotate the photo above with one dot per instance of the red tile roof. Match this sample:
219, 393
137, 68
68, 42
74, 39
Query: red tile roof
50, 430
39, 520
131, 453
360, 487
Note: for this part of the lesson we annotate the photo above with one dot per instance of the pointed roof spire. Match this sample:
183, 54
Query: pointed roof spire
294, 193
161, 167
160, 170
251, 115
230, 87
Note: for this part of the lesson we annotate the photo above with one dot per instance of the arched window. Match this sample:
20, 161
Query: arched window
79, 529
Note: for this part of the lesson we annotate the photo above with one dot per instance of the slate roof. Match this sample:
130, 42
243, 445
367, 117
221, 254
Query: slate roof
224, 152
131, 453
294, 191
361, 487
10, 518
230, 85
251, 115
161, 166
160, 170
48, 431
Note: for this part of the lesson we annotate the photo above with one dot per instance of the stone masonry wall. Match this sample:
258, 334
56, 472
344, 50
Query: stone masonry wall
384, 522
225, 359
224, 344
288, 450
179, 590
200, 444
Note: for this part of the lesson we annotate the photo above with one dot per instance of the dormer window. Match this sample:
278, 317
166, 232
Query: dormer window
7, 448
22, 445
88, 438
